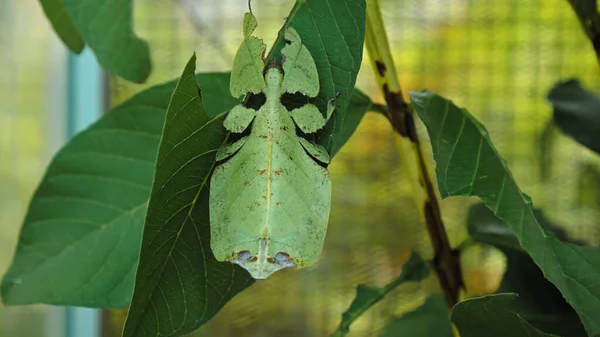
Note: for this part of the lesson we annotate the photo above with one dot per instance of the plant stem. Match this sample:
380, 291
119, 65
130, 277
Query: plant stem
589, 18
445, 261
379, 108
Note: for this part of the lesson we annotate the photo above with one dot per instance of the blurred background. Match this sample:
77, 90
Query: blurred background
497, 58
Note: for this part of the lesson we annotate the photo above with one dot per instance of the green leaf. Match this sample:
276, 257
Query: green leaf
539, 302
577, 113
358, 106
333, 31
468, 164
80, 240
429, 320
79, 244
415, 269
179, 284
215, 93
491, 316
107, 28
62, 24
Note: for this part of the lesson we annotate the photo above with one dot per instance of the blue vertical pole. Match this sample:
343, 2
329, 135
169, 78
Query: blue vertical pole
85, 105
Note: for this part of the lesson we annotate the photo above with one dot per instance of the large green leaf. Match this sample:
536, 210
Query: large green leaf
62, 24
429, 320
539, 302
468, 164
577, 113
107, 28
415, 269
80, 240
333, 31
491, 316
179, 283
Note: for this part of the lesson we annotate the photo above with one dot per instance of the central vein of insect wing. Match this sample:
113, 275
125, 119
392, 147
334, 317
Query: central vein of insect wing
268, 119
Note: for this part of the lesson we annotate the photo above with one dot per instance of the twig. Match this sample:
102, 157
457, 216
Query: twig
379, 108
445, 261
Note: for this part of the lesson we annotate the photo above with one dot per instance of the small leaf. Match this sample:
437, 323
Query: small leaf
415, 269
107, 28
179, 284
429, 320
539, 302
333, 31
577, 113
491, 316
468, 164
62, 24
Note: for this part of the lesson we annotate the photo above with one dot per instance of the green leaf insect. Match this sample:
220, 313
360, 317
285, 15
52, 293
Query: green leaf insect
270, 196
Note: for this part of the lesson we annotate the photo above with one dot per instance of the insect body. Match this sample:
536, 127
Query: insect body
270, 198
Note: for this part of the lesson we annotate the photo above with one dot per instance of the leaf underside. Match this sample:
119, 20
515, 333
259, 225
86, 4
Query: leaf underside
491, 316
179, 284
106, 26
79, 243
538, 301
92, 199
468, 164
62, 24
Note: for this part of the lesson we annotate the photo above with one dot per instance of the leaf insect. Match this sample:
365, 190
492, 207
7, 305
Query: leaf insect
270, 195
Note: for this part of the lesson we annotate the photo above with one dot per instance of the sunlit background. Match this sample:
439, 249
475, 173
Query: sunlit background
497, 58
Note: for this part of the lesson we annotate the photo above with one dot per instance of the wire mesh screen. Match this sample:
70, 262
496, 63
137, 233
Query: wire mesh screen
497, 58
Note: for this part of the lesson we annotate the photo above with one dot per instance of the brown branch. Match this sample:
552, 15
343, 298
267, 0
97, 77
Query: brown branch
445, 261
